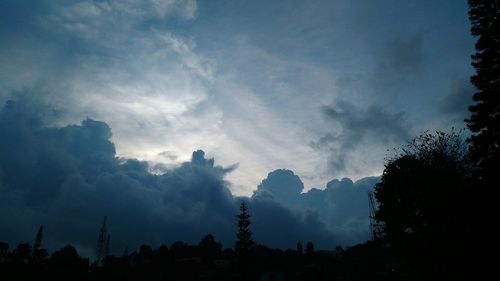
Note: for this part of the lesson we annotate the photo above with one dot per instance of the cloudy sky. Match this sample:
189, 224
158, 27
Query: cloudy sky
321, 88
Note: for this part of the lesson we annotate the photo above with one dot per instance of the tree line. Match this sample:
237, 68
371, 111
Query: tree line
207, 260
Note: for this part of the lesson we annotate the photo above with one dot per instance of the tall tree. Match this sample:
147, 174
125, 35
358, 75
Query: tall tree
300, 249
484, 121
309, 248
244, 240
38, 239
39, 255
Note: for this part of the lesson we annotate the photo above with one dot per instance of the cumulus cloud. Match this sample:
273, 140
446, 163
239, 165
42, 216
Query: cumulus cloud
67, 178
176, 75
281, 186
340, 208
115, 60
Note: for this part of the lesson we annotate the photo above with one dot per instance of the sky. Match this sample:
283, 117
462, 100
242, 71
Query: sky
318, 90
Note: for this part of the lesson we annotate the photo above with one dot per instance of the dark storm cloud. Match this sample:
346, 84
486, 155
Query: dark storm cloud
68, 178
341, 208
402, 56
357, 125
400, 62
373, 120
284, 231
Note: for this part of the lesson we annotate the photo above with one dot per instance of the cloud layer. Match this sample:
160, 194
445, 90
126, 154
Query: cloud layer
342, 206
67, 178
249, 82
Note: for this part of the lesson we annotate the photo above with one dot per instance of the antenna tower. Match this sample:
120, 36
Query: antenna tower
106, 249
101, 242
375, 227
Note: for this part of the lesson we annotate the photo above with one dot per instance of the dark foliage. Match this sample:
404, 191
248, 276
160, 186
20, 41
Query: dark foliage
38, 239
484, 123
485, 112
205, 261
422, 204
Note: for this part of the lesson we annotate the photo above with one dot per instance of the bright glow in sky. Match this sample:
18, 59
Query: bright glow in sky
323, 88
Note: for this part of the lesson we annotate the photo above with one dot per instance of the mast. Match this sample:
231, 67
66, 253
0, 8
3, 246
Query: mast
101, 242
375, 227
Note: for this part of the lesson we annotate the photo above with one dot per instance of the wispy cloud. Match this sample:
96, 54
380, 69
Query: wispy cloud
360, 129
234, 79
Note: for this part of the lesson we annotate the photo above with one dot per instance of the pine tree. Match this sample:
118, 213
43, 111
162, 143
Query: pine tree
309, 248
484, 123
38, 253
38, 239
300, 249
244, 235
485, 112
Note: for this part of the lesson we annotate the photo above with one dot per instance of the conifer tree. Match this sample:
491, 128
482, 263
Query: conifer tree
484, 124
309, 248
244, 236
484, 121
299, 248
38, 239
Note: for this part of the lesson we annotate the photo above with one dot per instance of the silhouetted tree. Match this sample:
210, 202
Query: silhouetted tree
421, 202
309, 248
39, 255
38, 239
484, 123
208, 247
300, 250
339, 250
145, 254
485, 113
67, 254
125, 252
67, 264
22, 253
162, 252
188, 262
4, 250
244, 236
